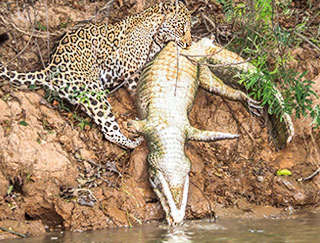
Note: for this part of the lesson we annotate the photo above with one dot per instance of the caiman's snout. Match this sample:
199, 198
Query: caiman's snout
187, 39
173, 198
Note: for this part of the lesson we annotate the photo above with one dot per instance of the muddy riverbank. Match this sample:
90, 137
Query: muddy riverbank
57, 171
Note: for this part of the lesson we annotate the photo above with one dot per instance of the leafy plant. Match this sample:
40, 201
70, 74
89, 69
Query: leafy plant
266, 31
82, 97
40, 26
23, 123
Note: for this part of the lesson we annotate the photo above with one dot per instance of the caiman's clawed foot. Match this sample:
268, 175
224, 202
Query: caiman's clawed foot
135, 126
253, 106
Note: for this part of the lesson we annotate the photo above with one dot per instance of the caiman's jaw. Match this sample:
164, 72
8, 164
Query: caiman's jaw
173, 199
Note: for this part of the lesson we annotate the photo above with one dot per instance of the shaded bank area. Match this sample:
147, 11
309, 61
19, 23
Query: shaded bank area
57, 172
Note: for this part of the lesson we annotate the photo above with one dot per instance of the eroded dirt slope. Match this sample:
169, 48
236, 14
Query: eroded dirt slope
58, 171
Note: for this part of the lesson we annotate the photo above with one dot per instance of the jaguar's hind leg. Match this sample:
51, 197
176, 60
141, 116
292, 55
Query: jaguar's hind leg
86, 91
97, 107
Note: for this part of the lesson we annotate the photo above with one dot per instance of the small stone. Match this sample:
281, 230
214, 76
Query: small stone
300, 197
260, 178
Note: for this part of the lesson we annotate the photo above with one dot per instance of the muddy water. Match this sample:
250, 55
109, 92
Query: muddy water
302, 228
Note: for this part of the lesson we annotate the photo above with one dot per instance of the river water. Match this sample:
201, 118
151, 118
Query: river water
302, 228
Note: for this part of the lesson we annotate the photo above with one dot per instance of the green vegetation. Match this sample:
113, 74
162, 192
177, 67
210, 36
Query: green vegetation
284, 172
51, 96
40, 26
266, 31
82, 97
23, 123
64, 25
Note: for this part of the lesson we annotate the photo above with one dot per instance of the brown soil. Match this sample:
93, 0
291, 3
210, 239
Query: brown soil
63, 176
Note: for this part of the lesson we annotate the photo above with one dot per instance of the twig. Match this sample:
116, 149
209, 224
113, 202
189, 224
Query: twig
238, 122
228, 64
178, 69
310, 176
307, 40
205, 17
41, 58
87, 190
220, 50
23, 49
117, 87
57, 33
189, 57
13, 232
212, 213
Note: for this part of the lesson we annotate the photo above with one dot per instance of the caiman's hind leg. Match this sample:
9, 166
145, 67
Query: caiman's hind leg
283, 129
212, 83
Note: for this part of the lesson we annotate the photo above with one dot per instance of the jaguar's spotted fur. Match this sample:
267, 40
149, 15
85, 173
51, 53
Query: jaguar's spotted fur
93, 58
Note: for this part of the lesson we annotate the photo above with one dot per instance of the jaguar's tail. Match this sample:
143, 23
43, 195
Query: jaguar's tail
29, 79
15, 78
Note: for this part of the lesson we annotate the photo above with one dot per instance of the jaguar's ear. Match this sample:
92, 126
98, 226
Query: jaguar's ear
164, 6
169, 6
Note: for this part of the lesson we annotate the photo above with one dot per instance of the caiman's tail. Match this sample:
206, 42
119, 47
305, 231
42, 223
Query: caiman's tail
282, 130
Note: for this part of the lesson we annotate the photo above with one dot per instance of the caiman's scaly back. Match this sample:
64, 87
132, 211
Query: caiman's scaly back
95, 57
165, 96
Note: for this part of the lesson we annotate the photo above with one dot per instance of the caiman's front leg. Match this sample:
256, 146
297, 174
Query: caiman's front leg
203, 135
212, 83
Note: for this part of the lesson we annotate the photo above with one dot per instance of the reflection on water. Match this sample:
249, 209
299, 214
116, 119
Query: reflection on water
304, 228
177, 235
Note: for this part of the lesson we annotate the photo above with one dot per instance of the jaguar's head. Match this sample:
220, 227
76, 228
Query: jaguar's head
176, 25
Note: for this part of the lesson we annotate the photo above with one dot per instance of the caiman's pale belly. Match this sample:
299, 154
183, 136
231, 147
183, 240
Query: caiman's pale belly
169, 90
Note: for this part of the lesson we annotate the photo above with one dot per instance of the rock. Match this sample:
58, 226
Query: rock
138, 166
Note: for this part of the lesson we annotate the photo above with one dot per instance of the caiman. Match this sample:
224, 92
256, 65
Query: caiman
165, 94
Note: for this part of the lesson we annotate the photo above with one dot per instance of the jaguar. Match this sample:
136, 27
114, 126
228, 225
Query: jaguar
96, 57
